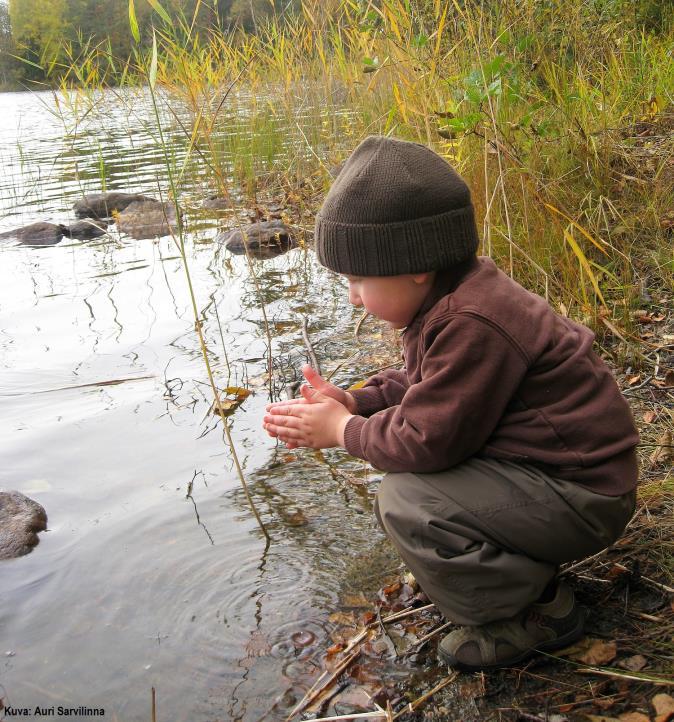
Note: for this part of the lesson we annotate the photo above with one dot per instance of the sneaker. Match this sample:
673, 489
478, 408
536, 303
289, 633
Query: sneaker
503, 643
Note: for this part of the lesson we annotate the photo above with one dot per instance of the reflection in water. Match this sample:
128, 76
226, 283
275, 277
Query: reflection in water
137, 584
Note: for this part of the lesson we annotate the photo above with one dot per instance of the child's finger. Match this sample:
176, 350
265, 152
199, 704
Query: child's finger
286, 402
285, 432
313, 377
309, 394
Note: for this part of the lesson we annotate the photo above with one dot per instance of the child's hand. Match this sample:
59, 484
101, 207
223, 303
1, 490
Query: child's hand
320, 387
317, 420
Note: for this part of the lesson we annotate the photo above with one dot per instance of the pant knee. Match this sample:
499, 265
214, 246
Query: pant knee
390, 506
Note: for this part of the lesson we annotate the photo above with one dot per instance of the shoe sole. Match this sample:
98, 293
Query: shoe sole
557, 643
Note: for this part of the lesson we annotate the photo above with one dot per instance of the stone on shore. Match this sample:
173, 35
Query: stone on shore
104, 205
41, 233
20, 520
147, 219
260, 240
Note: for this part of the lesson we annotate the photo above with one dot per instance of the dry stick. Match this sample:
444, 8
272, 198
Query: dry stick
619, 675
317, 687
356, 330
413, 705
314, 692
310, 349
420, 642
154, 705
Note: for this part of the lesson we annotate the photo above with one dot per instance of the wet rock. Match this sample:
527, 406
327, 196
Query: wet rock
20, 520
41, 233
261, 240
103, 205
147, 219
86, 230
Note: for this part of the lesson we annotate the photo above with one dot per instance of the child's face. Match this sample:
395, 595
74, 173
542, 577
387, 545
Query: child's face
394, 299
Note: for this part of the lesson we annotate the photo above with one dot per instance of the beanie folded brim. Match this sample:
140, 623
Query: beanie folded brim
390, 249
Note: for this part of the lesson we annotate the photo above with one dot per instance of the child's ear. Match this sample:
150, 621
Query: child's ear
422, 279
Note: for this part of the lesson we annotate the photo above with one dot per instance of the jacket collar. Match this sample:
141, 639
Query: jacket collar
444, 283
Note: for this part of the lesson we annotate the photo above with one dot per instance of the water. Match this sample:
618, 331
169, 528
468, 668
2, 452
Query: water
134, 585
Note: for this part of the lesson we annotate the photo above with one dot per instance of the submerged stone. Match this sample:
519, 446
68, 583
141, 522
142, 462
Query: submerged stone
260, 240
20, 520
86, 229
147, 219
104, 205
41, 233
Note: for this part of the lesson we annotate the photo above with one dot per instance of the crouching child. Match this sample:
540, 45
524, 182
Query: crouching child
508, 445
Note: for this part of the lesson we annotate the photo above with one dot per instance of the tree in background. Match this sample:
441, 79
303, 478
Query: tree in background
9, 72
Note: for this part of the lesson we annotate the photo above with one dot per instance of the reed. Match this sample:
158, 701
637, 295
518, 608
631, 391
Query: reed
559, 116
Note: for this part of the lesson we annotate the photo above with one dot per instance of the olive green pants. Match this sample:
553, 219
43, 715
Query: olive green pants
484, 538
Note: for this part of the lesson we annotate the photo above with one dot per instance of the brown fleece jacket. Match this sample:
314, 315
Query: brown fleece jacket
491, 370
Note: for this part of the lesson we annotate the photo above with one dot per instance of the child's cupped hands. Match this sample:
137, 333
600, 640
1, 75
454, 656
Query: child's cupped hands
316, 420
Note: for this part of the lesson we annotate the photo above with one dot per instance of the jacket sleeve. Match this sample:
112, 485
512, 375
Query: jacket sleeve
381, 391
469, 372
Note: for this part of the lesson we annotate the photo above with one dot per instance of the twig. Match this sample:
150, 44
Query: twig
420, 642
652, 582
356, 330
406, 613
154, 705
382, 629
317, 689
641, 385
309, 347
619, 675
358, 715
413, 705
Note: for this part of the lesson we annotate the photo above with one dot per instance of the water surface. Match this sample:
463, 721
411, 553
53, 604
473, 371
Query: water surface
135, 585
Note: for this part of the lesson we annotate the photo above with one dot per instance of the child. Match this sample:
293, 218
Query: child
509, 447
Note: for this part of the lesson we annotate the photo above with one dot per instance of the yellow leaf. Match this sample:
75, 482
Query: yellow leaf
582, 258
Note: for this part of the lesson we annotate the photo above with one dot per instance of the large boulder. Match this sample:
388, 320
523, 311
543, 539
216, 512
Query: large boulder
104, 205
41, 233
260, 240
147, 219
20, 520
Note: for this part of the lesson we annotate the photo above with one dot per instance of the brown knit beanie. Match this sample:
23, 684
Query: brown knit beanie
395, 207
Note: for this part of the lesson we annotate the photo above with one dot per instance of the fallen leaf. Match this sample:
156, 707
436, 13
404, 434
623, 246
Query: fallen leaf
599, 718
604, 702
634, 663
634, 379
669, 377
616, 571
657, 319
634, 717
663, 451
346, 620
650, 416
355, 600
591, 651
334, 649
664, 706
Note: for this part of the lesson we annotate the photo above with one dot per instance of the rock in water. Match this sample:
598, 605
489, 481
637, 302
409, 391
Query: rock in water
262, 240
103, 205
86, 230
37, 234
147, 219
20, 520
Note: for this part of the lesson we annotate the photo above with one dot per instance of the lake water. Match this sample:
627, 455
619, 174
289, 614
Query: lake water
135, 585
